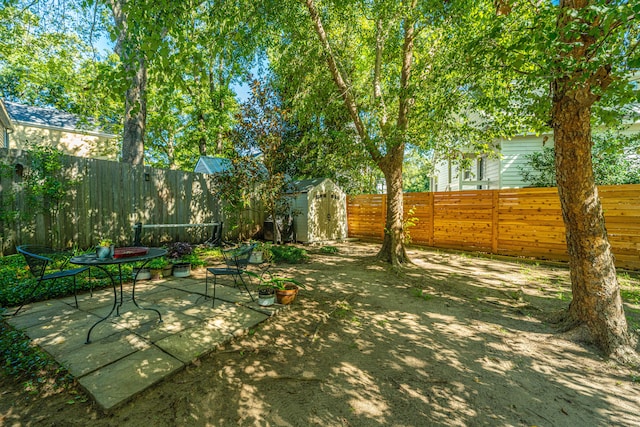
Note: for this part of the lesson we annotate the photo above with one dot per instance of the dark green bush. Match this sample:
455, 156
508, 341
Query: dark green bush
289, 254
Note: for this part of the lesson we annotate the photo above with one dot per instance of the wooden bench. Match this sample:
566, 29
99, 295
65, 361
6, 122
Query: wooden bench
216, 234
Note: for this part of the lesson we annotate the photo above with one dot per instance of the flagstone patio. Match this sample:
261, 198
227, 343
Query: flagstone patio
133, 351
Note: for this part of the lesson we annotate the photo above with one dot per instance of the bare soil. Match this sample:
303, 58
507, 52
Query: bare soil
454, 340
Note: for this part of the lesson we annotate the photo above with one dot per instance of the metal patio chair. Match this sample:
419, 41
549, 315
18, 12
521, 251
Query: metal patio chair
39, 258
236, 261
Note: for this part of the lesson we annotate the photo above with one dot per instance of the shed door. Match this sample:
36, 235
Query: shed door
327, 211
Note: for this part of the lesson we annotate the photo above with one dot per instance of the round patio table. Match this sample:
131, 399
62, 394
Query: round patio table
91, 260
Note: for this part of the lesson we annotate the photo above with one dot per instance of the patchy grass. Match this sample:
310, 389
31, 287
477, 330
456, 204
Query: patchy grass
629, 288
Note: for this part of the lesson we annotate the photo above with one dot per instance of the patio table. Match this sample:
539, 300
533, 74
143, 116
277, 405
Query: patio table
92, 260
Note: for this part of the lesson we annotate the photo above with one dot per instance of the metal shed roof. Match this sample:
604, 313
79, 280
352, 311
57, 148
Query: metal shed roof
306, 185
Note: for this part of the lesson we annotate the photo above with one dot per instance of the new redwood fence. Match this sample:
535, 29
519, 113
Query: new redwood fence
517, 222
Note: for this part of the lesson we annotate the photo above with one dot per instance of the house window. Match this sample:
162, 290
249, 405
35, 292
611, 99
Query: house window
482, 168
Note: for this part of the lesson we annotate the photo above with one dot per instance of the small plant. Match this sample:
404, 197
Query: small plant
193, 259
329, 250
275, 282
289, 254
178, 251
158, 263
422, 294
105, 242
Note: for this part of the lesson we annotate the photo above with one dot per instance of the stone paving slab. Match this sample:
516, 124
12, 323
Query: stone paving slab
120, 381
39, 313
101, 353
193, 343
134, 351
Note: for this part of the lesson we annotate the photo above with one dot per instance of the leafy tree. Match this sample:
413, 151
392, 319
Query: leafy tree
46, 60
263, 166
585, 51
615, 161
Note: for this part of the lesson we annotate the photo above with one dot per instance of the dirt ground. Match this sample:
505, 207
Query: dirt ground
455, 340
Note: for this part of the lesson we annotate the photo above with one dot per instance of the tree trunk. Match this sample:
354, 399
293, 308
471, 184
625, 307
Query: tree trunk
390, 159
596, 292
135, 118
393, 250
134, 62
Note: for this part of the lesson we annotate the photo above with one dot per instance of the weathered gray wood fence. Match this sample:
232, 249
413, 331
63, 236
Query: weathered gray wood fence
104, 199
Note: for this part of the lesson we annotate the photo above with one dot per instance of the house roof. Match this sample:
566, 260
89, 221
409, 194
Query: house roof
50, 118
212, 165
4, 116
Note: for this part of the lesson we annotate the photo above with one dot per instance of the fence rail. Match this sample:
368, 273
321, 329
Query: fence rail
105, 199
517, 222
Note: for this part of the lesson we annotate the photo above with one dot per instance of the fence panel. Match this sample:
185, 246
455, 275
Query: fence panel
105, 199
366, 215
463, 219
517, 222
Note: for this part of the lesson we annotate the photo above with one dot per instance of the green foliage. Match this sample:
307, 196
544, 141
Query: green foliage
329, 250
158, 263
275, 282
615, 161
289, 254
27, 362
629, 288
421, 294
409, 222
16, 281
41, 190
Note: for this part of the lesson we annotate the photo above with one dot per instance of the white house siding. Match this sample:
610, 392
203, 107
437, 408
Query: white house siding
514, 153
493, 173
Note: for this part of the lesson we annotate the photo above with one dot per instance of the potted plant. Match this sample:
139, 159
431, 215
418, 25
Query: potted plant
105, 249
178, 253
261, 252
156, 266
285, 289
143, 273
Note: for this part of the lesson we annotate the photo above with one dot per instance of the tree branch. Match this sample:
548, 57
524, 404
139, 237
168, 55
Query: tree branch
405, 99
339, 80
377, 90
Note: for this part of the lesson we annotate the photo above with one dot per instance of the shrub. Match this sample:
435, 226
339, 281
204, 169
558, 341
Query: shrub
289, 254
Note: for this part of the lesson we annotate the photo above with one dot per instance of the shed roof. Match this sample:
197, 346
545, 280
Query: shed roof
50, 117
306, 185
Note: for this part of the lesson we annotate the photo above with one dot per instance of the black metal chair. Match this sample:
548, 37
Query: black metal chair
236, 261
39, 258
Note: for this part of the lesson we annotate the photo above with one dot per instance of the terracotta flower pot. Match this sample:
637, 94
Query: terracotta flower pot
287, 295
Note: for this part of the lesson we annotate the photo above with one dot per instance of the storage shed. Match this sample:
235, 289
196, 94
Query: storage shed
320, 210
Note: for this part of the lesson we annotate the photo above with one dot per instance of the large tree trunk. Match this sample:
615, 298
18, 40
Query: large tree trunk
390, 158
133, 60
596, 292
135, 118
393, 249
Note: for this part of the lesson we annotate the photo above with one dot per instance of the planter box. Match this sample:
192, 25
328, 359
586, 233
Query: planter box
182, 270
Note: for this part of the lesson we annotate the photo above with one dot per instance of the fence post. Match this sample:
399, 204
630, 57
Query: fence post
495, 204
432, 216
